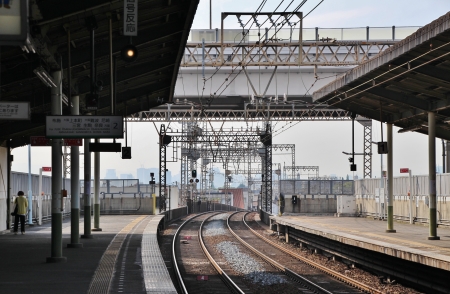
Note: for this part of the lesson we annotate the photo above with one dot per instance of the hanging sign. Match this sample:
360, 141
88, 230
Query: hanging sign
14, 22
80, 126
40, 141
130, 17
14, 110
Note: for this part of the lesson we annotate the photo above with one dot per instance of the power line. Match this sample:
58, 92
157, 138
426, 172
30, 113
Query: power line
234, 50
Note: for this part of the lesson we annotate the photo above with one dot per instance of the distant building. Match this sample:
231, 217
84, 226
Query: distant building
111, 174
143, 174
126, 176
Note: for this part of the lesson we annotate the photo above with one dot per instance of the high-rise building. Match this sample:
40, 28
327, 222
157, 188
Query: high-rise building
143, 174
111, 174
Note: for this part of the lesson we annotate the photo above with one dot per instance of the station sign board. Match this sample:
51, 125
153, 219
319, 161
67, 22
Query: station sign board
404, 170
14, 23
40, 141
73, 142
44, 141
14, 110
88, 126
130, 17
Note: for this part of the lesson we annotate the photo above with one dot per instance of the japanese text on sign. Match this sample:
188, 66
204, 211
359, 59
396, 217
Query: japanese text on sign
130, 17
84, 126
14, 110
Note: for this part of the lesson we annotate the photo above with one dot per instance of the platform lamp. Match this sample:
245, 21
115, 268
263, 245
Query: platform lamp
129, 53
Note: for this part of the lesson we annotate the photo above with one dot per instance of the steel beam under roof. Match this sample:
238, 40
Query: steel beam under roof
402, 84
55, 26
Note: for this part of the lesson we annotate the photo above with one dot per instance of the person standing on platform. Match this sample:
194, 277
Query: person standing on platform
22, 204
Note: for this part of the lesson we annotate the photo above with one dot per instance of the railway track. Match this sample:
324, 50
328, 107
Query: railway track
251, 273
202, 267
195, 270
308, 277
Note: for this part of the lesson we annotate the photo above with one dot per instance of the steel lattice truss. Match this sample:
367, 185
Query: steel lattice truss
288, 113
300, 169
240, 145
162, 170
368, 151
316, 53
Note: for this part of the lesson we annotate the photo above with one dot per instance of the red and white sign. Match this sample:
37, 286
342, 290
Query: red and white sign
47, 168
404, 170
73, 142
44, 141
187, 237
39, 141
202, 278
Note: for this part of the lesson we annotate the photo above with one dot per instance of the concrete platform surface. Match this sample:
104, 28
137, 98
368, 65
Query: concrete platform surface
23, 257
410, 242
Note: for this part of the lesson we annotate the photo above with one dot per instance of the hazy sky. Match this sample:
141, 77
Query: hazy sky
317, 143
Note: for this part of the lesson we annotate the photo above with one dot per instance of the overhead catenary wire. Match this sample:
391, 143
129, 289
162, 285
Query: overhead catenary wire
234, 50
260, 7
234, 68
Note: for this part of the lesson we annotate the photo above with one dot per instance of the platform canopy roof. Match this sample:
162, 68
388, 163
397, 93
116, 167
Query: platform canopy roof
402, 84
163, 29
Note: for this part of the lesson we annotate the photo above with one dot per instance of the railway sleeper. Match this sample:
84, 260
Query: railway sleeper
421, 277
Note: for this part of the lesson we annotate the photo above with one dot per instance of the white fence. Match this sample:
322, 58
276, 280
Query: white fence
369, 203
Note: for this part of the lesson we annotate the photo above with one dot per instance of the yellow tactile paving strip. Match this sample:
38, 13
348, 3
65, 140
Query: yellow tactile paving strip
104, 273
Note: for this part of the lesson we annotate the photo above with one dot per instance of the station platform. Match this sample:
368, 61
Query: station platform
122, 258
409, 242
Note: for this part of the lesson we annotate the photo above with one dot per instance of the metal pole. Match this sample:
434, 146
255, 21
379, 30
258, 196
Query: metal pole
410, 198
443, 156
30, 191
111, 68
75, 186
87, 156
432, 174
87, 191
39, 198
210, 14
56, 239
390, 171
203, 58
69, 70
381, 188
300, 40
447, 147
8, 183
97, 190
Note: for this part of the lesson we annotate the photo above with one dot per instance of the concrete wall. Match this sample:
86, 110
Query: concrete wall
318, 204
126, 205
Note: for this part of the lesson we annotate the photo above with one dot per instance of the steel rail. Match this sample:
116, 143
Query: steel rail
225, 278
174, 256
296, 277
336, 275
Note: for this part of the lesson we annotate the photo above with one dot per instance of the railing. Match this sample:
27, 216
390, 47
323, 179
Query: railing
316, 187
45, 204
309, 34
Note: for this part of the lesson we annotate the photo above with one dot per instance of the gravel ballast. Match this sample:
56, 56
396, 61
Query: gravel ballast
247, 265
